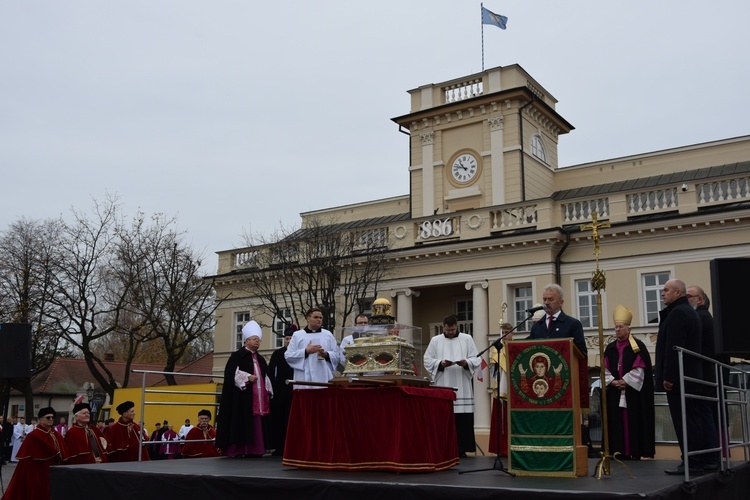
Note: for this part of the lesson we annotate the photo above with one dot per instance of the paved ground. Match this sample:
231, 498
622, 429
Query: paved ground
7, 472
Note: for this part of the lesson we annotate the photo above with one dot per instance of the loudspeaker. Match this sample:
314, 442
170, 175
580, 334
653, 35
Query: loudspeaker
15, 350
731, 325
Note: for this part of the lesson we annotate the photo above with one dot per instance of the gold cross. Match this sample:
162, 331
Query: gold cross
594, 227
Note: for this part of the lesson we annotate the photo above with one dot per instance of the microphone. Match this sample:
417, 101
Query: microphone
535, 309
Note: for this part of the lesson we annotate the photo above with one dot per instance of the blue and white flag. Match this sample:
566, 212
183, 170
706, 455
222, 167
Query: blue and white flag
489, 17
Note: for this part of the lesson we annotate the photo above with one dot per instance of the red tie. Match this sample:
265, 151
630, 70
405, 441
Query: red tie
549, 325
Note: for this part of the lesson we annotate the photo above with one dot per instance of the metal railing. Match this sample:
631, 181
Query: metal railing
664, 430
145, 391
720, 390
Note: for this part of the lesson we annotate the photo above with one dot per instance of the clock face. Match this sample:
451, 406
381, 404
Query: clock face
464, 168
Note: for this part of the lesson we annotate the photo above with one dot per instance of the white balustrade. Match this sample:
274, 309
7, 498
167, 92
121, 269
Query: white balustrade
723, 191
580, 211
513, 218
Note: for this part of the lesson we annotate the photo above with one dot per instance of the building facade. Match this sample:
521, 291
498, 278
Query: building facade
491, 218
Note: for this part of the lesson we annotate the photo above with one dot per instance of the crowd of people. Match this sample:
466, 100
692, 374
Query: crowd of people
39, 446
256, 398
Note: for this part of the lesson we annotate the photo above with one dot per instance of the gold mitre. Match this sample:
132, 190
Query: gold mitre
623, 315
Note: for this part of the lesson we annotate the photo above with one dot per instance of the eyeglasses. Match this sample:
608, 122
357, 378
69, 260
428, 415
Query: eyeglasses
50, 417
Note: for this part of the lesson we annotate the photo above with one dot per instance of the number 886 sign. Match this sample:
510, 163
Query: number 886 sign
436, 228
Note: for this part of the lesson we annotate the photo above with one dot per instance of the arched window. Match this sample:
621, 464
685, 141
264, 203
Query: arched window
537, 148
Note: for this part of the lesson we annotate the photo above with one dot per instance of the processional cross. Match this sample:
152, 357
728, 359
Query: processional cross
598, 283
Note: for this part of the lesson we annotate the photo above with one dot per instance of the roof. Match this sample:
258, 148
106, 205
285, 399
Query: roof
203, 365
355, 224
654, 181
67, 375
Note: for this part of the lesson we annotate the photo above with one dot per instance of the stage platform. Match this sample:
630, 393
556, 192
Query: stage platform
267, 478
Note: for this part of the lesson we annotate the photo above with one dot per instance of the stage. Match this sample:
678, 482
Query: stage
268, 478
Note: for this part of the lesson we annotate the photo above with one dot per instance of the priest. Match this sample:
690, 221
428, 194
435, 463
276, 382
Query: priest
42, 448
123, 436
279, 372
451, 359
86, 444
196, 445
628, 374
243, 425
312, 352
498, 442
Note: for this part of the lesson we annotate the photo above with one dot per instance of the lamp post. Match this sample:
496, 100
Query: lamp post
89, 391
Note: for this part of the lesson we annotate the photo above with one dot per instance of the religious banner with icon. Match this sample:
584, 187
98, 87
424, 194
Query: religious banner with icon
545, 409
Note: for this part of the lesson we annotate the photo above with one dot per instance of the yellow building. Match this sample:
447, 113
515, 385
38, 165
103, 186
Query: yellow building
491, 218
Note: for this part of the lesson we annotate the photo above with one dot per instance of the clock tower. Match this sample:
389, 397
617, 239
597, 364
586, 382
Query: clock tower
484, 140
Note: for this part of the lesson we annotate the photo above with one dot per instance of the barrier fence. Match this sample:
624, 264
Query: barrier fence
144, 401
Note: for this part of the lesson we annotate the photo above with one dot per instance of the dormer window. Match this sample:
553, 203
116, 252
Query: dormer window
537, 148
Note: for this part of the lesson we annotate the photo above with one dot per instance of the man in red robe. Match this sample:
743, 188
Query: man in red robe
193, 449
42, 448
85, 443
123, 436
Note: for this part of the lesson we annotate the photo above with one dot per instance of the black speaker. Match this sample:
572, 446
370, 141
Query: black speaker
729, 278
15, 350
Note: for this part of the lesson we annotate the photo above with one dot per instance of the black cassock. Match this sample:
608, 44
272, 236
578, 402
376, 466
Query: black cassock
279, 372
640, 410
235, 419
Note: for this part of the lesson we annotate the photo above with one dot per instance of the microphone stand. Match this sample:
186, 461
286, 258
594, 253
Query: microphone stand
500, 417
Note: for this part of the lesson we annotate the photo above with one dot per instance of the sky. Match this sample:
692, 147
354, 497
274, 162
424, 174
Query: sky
235, 116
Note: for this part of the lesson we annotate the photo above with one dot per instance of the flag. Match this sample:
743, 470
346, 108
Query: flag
480, 372
489, 17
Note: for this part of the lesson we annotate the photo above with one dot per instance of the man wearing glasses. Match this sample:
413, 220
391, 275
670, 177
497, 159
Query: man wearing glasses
41, 449
360, 322
204, 430
312, 352
699, 301
86, 443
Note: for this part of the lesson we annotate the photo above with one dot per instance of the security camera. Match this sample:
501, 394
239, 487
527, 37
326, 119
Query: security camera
684, 188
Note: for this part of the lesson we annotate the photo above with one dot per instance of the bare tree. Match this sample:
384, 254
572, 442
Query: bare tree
28, 249
176, 304
89, 298
98, 283
324, 265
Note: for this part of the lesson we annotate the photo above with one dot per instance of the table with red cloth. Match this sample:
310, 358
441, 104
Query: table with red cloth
400, 428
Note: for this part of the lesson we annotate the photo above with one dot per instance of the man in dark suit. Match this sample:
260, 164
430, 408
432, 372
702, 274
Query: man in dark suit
680, 325
700, 302
556, 324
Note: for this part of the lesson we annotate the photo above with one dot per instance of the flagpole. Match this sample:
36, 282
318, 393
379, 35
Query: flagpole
481, 9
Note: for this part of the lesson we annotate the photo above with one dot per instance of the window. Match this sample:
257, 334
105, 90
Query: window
365, 306
523, 298
586, 297
240, 320
465, 315
372, 238
280, 323
652, 286
537, 148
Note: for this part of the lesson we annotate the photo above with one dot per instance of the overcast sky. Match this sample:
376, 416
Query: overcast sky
235, 116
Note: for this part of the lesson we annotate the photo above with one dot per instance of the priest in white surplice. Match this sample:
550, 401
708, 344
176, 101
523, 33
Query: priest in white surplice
452, 359
313, 352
